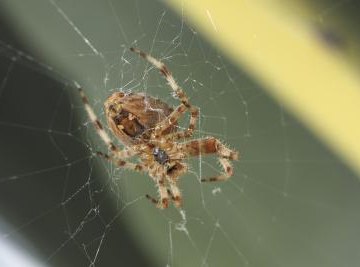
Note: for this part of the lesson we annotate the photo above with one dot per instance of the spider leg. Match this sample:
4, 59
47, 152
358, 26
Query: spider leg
157, 174
175, 194
228, 172
122, 163
173, 118
169, 121
173, 171
163, 192
194, 115
163, 203
99, 128
194, 111
212, 146
159, 203
166, 72
125, 153
153, 200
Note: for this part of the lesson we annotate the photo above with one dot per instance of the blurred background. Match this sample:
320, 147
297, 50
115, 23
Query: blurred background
277, 82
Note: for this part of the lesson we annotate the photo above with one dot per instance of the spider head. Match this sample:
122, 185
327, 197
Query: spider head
132, 116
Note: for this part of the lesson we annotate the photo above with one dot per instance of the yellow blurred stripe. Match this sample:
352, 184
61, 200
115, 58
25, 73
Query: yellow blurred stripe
284, 54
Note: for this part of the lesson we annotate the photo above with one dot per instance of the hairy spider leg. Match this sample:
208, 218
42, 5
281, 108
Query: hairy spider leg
120, 154
172, 118
176, 199
163, 192
154, 172
99, 128
153, 200
122, 163
175, 194
187, 133
212, 146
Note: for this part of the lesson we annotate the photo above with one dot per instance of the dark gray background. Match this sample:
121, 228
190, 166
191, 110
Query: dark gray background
290, 203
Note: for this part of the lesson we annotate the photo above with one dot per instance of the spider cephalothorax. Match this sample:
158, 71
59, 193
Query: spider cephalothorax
148, 129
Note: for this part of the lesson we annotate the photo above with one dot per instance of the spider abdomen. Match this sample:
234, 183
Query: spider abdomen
132, 116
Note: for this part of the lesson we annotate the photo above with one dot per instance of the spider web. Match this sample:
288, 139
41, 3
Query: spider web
290, 203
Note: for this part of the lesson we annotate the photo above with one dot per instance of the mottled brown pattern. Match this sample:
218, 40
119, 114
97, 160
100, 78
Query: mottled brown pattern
206, 146
147, 112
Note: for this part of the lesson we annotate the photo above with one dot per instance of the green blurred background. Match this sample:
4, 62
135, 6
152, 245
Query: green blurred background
290, 203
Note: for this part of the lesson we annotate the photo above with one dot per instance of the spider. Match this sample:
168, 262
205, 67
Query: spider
148, 128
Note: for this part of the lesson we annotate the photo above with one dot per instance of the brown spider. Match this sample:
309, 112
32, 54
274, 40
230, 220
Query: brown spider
148, 128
